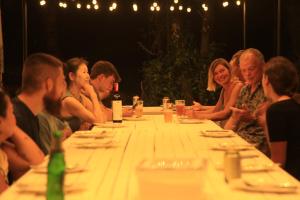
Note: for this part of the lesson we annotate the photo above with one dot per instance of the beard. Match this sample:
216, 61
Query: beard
52, 105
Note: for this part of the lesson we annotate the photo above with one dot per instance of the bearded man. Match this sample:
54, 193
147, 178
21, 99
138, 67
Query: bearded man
43, 85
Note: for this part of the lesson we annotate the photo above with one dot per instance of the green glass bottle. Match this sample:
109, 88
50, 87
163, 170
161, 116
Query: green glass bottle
56, 169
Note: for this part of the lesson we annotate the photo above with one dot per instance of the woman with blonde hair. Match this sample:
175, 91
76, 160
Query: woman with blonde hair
219, 74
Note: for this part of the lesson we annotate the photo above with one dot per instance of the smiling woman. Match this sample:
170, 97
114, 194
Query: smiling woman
219, 75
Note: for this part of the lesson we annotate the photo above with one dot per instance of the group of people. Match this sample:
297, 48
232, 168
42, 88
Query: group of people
53, 96
259, 101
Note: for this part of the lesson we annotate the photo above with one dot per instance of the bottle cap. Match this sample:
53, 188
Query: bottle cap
57, 134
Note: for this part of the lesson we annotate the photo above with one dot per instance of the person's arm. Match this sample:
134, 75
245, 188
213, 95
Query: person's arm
3, 183
26, 147
17, 165
93, 103
225, 113
73, 107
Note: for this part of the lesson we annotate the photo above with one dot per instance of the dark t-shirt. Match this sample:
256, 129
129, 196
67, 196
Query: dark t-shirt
28, 122
283, 119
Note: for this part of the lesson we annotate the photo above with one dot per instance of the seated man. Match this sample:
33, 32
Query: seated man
43, 85
103, 76
243, 119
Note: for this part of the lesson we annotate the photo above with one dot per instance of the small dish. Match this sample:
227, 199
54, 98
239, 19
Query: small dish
217, 133
109, 125
69, 169
261, 185
93, 134
134, 118
41, 189
226, 146
190, 121
252, 168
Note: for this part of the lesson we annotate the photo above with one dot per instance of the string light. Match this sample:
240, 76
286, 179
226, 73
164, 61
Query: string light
238, 3
225, 3
135, 7
94, 4
114, 5
42, 2
204, 6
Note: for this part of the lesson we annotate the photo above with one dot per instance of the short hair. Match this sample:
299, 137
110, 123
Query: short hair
3, 103
255, 52
282, 75
211, 84
106, 68
72, 65
37, 68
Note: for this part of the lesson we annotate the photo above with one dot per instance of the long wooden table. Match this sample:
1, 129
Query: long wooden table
110, 172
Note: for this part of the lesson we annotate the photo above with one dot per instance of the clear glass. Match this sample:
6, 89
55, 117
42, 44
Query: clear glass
138, 110
168, 115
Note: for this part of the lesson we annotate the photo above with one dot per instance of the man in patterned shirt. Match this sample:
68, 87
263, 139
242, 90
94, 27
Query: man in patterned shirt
243, 119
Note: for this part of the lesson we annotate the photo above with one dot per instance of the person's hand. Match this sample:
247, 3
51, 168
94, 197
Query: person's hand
127, 112
88, 90
189, 113
241, 114
196, 105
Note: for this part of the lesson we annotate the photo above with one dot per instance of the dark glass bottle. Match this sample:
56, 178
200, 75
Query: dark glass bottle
117, 105
56, 169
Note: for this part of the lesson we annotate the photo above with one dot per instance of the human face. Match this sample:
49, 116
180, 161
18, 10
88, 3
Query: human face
82, 75
251, 69
8, 123
221, 75
106, 84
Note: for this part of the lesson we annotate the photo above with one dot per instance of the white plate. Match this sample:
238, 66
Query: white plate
249, 168
261, 185
69, 169
225, 147
109, 125
106, 143
134, 118
217, 133
190, 121
41, 189
93, 134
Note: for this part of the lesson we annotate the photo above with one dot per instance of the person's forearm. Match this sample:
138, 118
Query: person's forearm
98, 112
26, 147
231, 124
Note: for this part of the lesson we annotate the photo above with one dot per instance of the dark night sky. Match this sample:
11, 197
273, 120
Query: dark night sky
114, 36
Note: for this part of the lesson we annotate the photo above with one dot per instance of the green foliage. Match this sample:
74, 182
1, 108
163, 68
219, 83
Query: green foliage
179, 74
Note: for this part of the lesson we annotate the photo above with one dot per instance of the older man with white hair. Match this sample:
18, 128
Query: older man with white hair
243, 119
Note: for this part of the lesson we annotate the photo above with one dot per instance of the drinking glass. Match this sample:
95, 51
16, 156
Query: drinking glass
168, 115
139, 108
180, 107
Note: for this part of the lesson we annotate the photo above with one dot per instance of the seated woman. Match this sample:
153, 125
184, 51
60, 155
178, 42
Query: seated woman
80, 105
280, 82
17, 150
219, 74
